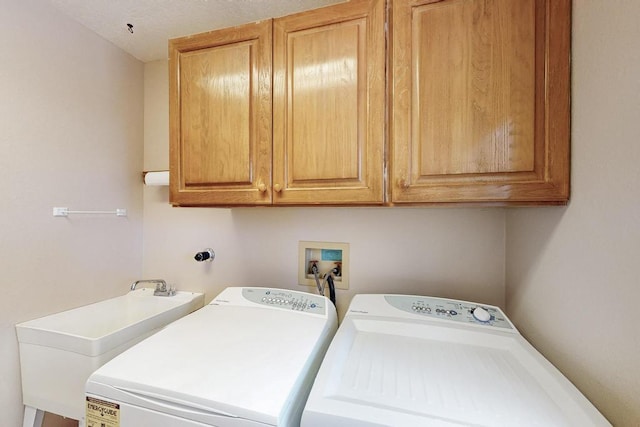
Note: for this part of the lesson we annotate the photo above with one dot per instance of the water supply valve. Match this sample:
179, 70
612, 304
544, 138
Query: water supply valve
206, 255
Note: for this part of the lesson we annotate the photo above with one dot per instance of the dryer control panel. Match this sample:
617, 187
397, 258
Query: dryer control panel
288, 300
460, 311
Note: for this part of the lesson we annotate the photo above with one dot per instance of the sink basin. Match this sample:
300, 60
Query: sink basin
60, 351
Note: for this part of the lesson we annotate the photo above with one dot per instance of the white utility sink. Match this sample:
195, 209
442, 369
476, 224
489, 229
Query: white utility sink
60, 351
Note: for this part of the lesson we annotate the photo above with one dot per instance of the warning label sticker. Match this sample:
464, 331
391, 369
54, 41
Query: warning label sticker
101, 413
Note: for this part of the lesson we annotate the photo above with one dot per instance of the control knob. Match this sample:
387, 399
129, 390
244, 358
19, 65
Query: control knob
481, 314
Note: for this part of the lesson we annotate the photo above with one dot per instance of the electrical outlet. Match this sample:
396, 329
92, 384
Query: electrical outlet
326, 256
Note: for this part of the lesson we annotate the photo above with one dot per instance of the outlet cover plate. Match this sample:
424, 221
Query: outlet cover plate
327, 254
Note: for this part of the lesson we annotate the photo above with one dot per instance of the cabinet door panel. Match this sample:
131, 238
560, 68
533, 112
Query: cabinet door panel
324, 76
212, 78
329, 86
474, 110
473, 113
220, 117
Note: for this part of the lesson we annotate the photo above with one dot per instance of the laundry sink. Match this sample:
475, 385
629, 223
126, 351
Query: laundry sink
60, 351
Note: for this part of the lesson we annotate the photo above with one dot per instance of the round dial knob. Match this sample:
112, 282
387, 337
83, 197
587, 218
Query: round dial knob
481, 314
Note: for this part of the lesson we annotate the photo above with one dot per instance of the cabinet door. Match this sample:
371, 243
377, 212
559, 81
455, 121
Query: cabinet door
220, 117
480, 101
329, 87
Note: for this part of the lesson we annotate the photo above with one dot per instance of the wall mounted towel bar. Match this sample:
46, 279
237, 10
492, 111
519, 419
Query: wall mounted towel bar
67, 212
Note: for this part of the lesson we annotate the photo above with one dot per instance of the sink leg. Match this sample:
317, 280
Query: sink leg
32, 417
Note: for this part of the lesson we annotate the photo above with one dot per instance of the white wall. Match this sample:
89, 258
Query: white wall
573, 281
446, 252
71, 109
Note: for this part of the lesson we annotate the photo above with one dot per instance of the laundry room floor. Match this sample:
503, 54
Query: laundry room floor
53, 420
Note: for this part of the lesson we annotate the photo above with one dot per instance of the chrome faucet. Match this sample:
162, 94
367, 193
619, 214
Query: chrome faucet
161, 287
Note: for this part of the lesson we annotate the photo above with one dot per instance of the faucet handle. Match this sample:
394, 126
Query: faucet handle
161, 286
163, 290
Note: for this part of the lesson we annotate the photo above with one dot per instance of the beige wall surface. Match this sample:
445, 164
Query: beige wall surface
573, 281
455, 253
71, 111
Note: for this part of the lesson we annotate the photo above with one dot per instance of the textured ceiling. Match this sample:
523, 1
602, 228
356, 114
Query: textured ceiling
156, 21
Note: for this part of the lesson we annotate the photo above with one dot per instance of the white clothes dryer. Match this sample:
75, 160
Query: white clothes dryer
413, 361
246, 359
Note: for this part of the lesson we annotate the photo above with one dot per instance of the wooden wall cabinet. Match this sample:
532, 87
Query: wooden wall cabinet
313, 136
462, 101
479, 101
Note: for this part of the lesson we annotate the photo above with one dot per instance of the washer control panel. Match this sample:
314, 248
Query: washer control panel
286, 300
460, 311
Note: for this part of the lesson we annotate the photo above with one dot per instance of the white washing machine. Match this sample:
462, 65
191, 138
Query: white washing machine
400, 360
246, 359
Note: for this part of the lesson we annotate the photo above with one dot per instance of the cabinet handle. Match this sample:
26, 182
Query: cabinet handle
402, 183
261, 187
277, 188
